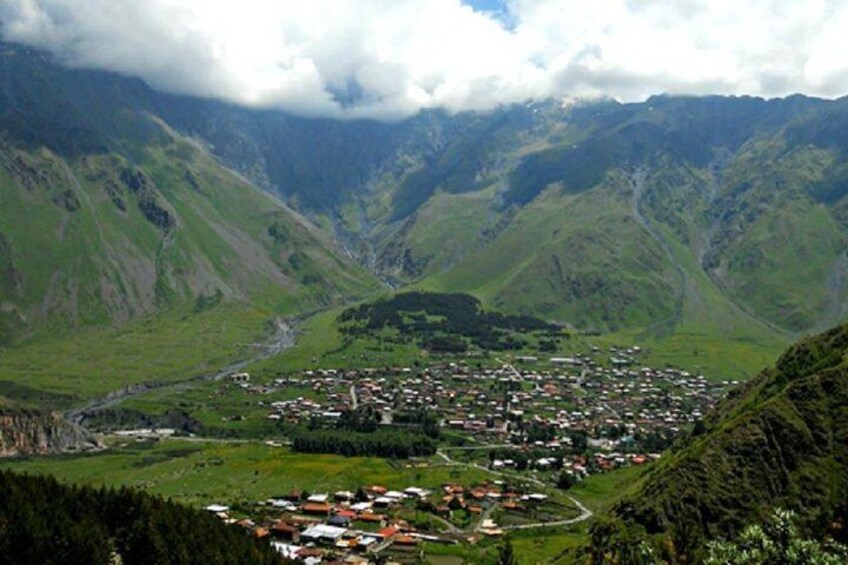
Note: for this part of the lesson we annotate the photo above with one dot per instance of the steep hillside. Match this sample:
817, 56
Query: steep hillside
781, 441
679, 220
30, 432
670, 218
106, 217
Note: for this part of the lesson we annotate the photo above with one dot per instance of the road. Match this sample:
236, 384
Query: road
283, 338
585, 513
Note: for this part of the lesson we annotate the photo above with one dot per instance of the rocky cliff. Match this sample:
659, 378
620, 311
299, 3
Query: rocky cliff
30, 432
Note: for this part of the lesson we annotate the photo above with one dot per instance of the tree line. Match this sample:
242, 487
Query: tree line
43, 522
394, 444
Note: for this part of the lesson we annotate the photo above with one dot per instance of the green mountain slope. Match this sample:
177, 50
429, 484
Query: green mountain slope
781, 441
47, 522
102, 239
718, 221
128, 252
673, 220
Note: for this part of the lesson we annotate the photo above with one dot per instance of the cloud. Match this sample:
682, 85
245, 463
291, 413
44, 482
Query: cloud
390, 58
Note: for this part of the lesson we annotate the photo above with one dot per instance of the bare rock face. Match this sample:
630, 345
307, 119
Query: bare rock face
32, 432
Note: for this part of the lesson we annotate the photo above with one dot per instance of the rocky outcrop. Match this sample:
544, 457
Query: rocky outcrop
31, 432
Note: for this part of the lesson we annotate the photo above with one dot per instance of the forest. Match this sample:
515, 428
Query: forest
381, 443
444, 323
43, 521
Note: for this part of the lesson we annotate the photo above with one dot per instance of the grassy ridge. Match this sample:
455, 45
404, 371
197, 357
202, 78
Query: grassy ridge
779, 442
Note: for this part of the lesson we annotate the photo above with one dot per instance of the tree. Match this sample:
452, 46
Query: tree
579, 441
565, 480
777, 541
361, 495
506, 555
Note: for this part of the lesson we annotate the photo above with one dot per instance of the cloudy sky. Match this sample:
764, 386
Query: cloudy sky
390, 58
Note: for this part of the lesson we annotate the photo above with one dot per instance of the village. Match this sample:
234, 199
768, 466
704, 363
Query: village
357, 527
536, 426
617, 411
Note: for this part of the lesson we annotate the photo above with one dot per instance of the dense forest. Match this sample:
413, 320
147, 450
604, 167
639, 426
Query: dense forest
43, 521
380, 443
444, 323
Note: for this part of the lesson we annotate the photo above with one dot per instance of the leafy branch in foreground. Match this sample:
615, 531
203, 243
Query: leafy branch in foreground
776, 542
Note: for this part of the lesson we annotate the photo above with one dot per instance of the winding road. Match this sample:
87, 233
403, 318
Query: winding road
585, 513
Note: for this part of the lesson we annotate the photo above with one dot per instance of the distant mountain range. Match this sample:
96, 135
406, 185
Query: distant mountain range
675, 217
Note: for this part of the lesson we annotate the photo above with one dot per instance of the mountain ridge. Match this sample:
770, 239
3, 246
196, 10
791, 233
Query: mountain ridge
710, 216
778, 441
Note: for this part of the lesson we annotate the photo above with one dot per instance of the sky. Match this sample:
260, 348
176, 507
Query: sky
388, 59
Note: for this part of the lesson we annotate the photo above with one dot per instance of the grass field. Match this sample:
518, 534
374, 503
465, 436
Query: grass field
320, 344
98, 360
201, 472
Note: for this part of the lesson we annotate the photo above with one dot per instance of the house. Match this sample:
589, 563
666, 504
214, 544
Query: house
343, 495
284, 530
288, 551
316, 508
323, 533
384, 502
370, 517
388, 533
339, 520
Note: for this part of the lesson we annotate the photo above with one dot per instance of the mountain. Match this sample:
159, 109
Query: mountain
779, 441
652, 216
107, 214
708, 226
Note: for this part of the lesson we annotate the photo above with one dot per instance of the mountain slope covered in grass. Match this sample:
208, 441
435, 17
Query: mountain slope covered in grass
708, 221
108, 213
780, 441
128, 252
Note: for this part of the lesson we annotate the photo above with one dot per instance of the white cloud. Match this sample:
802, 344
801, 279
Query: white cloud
390, 58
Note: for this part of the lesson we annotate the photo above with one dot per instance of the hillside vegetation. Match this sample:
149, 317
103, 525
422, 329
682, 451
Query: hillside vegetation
688, 224
780, 441
46, 522
442, 323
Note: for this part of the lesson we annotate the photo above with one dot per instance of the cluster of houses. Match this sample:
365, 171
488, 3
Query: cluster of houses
613, 403
354, 527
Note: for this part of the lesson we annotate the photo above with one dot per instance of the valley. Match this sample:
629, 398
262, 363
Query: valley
559, 327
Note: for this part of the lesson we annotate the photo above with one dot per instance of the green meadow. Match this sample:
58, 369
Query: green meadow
200, 472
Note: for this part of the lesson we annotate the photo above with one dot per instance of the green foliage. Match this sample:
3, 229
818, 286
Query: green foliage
777, 542
565, 480
364, 419
42, 521
443, 323
506, 554
781, 440
381, 443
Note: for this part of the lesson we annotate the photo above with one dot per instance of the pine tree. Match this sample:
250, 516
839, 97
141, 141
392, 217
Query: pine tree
506, 555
